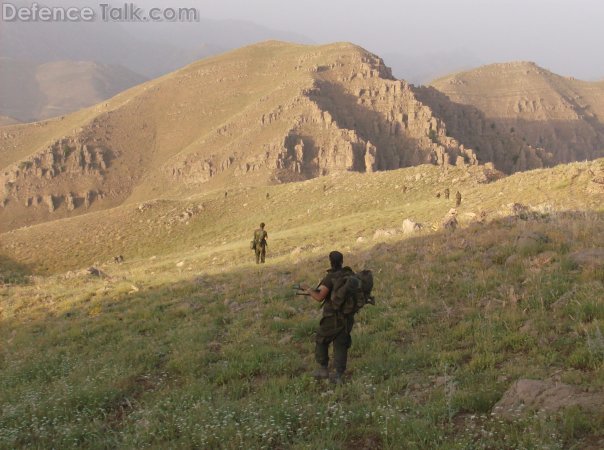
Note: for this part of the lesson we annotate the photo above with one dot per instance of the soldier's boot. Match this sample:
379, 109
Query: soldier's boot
338, 378
322, 373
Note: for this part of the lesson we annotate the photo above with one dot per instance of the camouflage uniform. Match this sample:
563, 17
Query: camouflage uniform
334, 327
260, 236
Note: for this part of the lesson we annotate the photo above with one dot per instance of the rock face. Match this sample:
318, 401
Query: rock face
268, 113
272, 112
549, 397
521, 116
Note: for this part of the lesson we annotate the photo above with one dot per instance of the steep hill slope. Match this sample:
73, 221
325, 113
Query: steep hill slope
564, 116
33, 92
272, 112
188, 343
308, 216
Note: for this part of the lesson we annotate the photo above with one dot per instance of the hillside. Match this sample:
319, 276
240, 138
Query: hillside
7, 120
32, 92
268, 113
564, 116
489, 336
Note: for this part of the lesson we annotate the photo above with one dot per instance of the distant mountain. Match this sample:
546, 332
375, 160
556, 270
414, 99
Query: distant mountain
30, 91
563, 116
268, 113
7, 120
148, 49
276, 112
421, 69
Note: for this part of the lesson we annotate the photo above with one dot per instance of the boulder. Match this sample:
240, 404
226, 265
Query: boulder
409, 226
530, 240
546, 396
95, 272
593, 257
450, 221
385, 233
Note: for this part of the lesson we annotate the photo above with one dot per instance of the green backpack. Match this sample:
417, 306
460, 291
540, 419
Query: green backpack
352, 291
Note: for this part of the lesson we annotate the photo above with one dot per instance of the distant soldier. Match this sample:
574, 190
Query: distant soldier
405, 189
457, 199
447, 194
438, 195
268, 196
260, 237
225, 194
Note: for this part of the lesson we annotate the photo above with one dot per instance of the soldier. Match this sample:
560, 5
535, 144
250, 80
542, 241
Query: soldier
457, 199
438, 195
260, 237
334, 326
447, 193
268, 196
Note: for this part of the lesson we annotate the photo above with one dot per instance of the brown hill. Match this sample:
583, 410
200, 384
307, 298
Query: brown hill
521, 100
7, 120
271, 112
32, 92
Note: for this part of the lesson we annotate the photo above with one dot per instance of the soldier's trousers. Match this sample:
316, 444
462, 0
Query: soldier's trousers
334, 329
260, 253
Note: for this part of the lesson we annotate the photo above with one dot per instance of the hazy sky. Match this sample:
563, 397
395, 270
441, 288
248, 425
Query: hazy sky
566, 36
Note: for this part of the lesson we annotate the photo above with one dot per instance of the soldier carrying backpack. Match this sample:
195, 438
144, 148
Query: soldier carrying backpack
342, 293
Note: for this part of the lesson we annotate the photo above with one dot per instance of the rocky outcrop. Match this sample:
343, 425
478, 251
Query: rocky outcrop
351, 116
527, 396
30, 180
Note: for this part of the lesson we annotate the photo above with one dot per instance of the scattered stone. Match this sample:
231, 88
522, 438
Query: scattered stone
512, 259
546, 396
180, 264
544, 259
409, 226
95, 272
593, 257
286, 339
450, 222
530, 240
385, 233
360, 239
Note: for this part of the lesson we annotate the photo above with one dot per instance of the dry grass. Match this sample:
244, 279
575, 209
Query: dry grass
198, 347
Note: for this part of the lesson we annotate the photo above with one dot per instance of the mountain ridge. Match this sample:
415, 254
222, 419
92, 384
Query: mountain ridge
337, 109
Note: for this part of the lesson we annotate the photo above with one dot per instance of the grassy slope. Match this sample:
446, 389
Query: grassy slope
216, 352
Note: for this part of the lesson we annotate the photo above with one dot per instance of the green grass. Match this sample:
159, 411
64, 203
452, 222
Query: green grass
217, 353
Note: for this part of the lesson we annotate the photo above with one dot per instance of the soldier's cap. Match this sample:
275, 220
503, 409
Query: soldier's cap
262, 225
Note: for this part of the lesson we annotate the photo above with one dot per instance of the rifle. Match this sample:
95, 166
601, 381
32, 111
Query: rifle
299, 290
